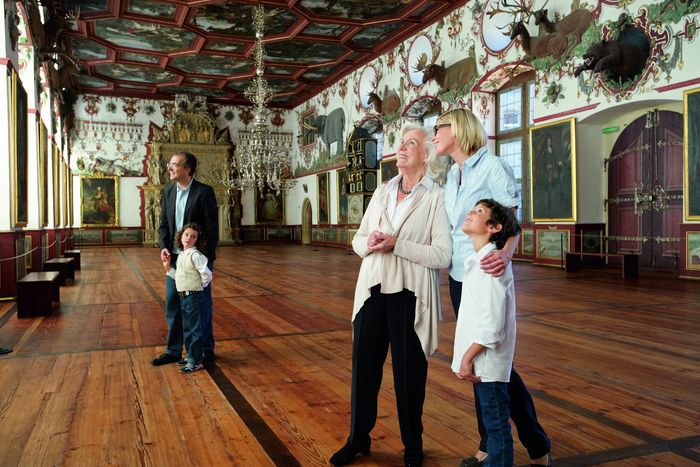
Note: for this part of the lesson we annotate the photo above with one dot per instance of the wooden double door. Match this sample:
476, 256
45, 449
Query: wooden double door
645, 190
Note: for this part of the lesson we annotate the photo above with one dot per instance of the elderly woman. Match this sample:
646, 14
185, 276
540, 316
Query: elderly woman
475, 175
404, 240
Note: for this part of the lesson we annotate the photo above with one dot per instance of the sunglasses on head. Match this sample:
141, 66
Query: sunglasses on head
436, 128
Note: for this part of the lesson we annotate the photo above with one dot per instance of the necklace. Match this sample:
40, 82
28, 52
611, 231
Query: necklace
405, 192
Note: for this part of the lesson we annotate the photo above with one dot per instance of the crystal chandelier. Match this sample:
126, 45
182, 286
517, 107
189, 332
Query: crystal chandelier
259, 160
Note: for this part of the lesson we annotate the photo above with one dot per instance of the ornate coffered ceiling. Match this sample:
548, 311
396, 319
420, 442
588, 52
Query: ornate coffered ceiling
149, 48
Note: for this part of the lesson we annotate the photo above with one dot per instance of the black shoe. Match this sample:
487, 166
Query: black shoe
347, 455
164, 359
548, 464
471, 462
208, 357
413, 459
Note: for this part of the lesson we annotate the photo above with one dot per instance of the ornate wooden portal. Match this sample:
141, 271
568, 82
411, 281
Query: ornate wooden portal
194, 130
645, 189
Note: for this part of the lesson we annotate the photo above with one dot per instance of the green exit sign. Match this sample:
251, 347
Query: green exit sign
611, 129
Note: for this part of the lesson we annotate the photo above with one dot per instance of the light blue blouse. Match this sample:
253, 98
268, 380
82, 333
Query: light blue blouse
483, 176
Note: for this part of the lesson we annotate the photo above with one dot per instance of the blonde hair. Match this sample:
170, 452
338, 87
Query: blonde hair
435, 167
466, 128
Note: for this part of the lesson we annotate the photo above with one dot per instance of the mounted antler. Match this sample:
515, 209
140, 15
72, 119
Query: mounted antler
518, 8
422, 62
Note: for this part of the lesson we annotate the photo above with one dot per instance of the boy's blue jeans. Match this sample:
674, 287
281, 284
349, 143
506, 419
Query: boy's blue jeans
495, 413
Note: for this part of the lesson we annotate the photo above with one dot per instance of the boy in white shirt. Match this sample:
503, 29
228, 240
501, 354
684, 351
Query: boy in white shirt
485, 332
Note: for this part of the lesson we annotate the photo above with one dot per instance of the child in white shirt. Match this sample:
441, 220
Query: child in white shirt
485, 332
191, 276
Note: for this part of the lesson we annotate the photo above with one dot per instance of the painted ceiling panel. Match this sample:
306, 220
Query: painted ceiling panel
164, 47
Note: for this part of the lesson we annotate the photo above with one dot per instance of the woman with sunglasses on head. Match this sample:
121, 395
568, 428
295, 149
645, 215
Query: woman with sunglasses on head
476, 175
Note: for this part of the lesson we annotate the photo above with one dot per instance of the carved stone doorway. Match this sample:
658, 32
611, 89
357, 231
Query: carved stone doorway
645, 189
306, 222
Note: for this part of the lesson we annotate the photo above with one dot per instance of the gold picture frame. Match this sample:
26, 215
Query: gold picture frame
18, 135
269, 208
341, 177
549, 243
553, 171
43, 174
99, 201
56, 173
388, 169
692, 251
691, 155
323, 196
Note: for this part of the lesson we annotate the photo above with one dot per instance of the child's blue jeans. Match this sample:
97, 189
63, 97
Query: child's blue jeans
495, 413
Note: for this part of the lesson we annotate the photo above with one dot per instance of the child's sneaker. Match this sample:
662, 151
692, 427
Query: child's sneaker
191, 368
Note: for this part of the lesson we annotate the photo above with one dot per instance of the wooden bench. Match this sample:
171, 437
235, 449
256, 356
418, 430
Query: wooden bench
62, 265
75, 254
630, 262
36, 291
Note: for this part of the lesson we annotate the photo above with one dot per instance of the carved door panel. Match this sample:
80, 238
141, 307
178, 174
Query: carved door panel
645, 187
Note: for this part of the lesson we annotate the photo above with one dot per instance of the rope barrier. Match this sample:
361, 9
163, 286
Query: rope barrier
49, 246
20, 256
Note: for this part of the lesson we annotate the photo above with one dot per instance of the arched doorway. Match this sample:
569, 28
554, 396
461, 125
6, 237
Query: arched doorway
306, 222
645, 190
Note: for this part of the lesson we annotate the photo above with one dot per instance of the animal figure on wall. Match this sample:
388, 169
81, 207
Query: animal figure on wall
622, 59
575, 23
387, 106
554, 44
452, 78
330, 129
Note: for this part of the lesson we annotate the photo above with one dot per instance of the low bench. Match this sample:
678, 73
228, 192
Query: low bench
75, 254
36, 291
62, 265
630, 262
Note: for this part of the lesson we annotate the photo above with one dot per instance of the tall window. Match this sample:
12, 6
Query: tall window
515, 114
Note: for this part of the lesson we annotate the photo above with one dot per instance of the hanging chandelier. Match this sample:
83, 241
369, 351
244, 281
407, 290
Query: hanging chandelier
260, 158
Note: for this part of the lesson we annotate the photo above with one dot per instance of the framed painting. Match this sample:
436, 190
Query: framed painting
57, 186
43, 175
527, 238
99, 201
692, 251
342, 186
70, 197
551, 244
324, 200
64, 191
592, 241
389, 169
553, 171
269, 208
20, 156
691, 155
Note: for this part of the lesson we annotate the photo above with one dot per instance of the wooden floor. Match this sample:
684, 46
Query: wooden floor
613, 367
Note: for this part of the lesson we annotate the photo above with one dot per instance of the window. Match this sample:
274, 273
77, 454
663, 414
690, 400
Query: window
515, 104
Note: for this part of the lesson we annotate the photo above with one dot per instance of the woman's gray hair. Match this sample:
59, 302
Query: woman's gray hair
435, 167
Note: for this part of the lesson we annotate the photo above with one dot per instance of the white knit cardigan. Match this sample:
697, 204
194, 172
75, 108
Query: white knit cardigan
423, 246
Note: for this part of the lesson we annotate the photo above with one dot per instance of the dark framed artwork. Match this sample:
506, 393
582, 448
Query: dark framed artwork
43, 175
552, 243
20, 155
389, 169
691, 155
342, 186
527, 238
324, 200
99, 201
57, 186
592, 241
64, 191
692, 251
553, 171
269, 208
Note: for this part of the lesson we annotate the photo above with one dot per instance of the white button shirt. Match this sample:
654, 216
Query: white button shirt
486, 317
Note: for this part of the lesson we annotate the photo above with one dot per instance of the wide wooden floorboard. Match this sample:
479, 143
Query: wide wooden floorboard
613, 367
